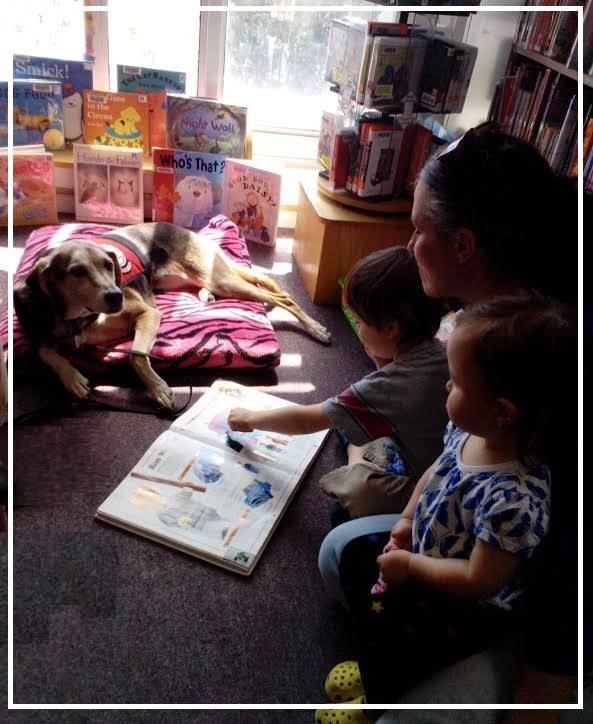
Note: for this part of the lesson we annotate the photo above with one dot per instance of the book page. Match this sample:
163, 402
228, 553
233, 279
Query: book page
207, 420
209, 501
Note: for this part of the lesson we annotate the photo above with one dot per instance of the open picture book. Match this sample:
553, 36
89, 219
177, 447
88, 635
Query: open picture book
211, 492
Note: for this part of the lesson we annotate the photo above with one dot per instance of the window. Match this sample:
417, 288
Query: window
275, 61
166, 40
50, 28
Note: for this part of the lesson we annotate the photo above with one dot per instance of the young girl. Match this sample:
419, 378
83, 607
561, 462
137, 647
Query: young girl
452, 570
400, 406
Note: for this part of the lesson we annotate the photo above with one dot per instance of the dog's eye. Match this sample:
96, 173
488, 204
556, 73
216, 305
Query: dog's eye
108, 264
78, 271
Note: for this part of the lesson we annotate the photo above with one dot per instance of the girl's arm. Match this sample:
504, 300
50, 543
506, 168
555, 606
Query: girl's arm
486, 572
290, 420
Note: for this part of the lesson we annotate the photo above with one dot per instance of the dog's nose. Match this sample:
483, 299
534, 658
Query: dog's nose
197, 193
114, 299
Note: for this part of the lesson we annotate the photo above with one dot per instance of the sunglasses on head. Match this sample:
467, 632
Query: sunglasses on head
457, 148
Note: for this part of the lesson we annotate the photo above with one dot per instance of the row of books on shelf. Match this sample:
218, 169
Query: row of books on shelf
377, 157
555, 34
54, 103
538, 105
383, 65
189, 188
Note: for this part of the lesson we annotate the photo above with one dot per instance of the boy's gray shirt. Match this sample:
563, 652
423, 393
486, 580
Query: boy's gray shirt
404, 400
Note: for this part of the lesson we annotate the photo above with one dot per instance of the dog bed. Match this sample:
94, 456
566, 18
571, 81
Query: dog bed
223, 333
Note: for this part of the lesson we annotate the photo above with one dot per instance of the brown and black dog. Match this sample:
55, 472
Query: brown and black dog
73, 294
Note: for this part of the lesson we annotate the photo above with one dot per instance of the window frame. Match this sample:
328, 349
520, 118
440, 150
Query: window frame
212, 48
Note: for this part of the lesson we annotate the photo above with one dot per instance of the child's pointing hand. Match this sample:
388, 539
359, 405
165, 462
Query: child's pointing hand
240, 420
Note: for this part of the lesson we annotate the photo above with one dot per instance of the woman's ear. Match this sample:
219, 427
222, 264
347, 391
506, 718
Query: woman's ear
464, 244
507, 413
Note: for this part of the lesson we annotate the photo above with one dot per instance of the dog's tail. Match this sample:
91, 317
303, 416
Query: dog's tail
254, 277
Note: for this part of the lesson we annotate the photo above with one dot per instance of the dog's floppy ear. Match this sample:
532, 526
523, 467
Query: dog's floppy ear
34, 302
116, 267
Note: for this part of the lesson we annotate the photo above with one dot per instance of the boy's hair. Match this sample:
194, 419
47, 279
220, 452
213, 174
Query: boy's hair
386, 286
527, 352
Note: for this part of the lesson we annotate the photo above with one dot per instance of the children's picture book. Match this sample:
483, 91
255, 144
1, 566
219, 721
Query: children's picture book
209, 492
75, 77
108, 184
132, 79
336, 51
37, 114
33, 190
3, 113
3, 187
118, 120
383, 154
461, 73
251, 199
330, 123
199, 124
187, 187
395, 70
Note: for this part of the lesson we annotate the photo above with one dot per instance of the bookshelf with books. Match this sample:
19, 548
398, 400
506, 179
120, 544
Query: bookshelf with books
388, 76
537, 98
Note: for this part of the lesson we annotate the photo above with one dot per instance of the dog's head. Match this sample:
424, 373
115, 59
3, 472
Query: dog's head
73, 280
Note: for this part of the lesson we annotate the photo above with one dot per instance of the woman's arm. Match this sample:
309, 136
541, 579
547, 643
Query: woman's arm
290, 420
486, 572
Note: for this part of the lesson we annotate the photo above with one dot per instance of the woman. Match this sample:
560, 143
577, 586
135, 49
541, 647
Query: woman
492, 219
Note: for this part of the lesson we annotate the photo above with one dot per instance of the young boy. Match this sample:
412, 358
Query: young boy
397, 413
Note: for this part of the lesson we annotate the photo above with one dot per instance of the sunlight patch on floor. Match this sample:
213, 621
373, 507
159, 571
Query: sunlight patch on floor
291, 359
278, 268
289, 388
277, 314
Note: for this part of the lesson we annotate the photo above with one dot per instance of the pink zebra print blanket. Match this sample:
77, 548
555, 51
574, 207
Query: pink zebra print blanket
224, 333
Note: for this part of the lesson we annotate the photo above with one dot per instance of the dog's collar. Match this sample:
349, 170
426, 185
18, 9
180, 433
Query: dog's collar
74, 329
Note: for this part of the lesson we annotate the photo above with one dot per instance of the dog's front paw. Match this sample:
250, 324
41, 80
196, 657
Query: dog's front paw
76, 384
321, 333
162, 394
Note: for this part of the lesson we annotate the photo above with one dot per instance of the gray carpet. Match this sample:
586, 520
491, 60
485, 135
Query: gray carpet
103, 616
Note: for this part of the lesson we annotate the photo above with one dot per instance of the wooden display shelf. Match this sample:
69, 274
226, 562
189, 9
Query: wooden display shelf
329, 238
377, 206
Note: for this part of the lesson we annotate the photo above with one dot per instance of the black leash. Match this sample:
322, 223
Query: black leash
69, 405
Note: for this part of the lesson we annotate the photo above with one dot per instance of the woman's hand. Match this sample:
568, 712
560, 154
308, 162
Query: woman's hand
401, 535
394, 567
240, 420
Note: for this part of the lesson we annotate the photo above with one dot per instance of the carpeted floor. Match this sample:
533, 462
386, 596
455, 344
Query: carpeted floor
103, 616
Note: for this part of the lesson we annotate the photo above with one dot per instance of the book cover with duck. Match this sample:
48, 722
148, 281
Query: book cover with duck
74, 75
207, 126
37, 114
117, 120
